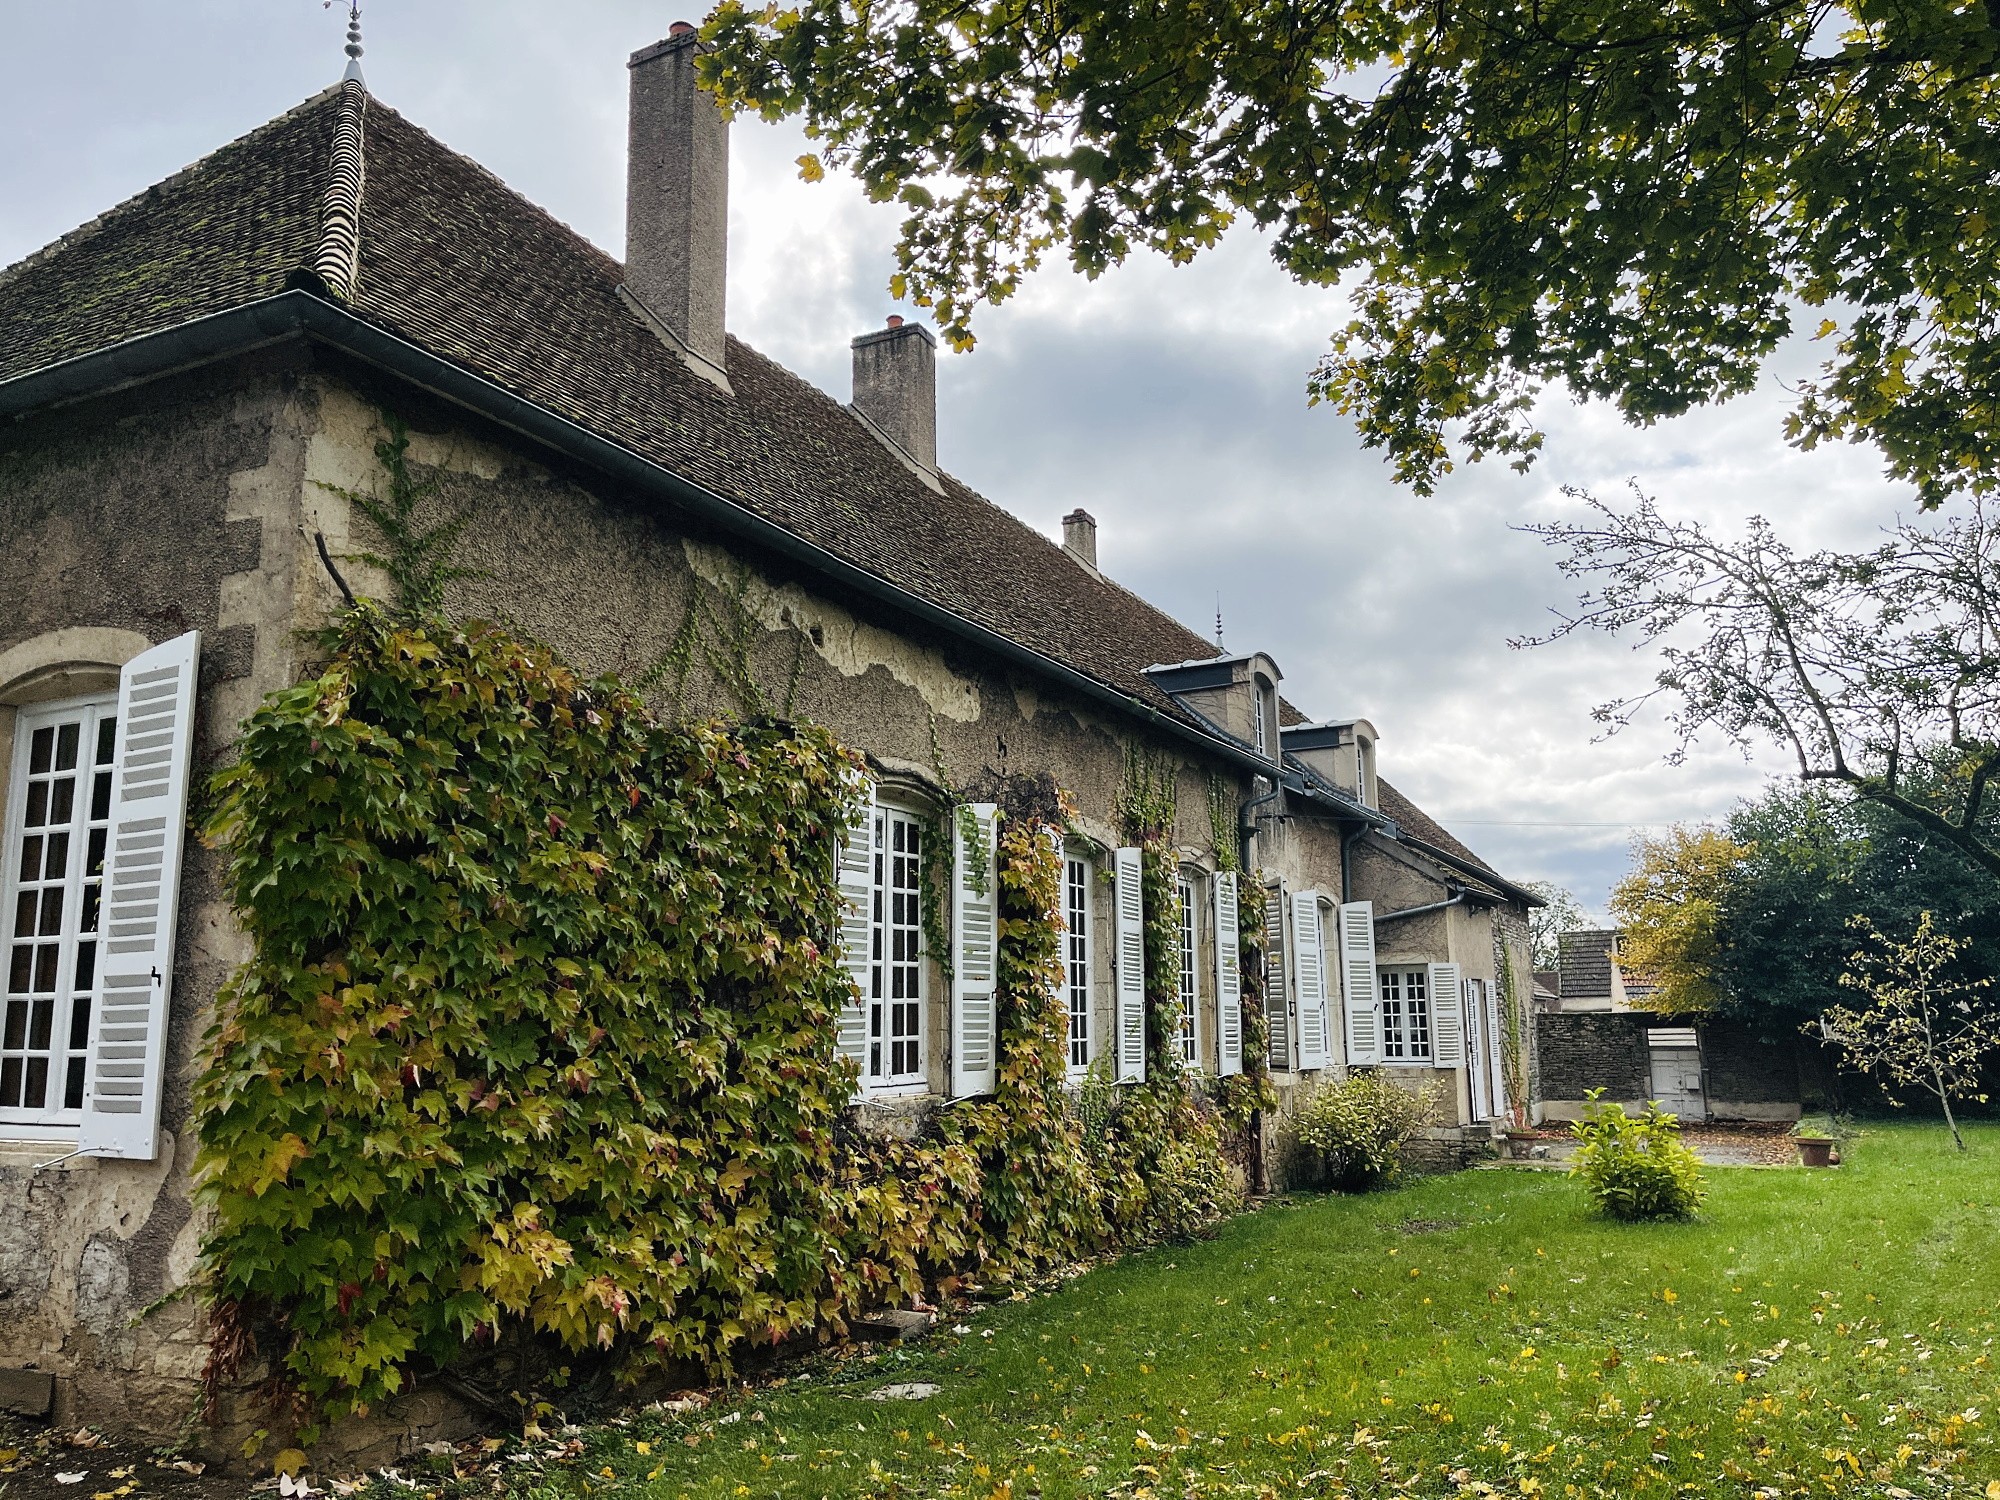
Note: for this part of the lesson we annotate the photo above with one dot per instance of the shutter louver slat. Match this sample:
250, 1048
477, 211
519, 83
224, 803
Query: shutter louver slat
1447, 1016
1277, 992
1131, 960
1228, 978
124, 1073
1360, 1002
975, 919
857, 905
1310, 962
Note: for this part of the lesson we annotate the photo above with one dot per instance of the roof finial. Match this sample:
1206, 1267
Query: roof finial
1218, 619
353, 42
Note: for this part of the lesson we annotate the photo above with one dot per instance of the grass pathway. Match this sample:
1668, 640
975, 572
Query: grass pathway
1825, 1333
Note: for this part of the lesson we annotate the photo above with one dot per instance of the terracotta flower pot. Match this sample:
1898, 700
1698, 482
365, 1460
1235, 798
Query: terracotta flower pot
1815, 1150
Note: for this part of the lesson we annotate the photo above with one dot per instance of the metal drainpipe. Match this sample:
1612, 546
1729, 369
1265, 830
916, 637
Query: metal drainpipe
1418, 911
1246, 830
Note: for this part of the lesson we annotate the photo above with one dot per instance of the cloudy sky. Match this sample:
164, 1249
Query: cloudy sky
1169, 402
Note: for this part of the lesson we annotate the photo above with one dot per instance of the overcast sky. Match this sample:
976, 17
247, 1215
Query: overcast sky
1169, 402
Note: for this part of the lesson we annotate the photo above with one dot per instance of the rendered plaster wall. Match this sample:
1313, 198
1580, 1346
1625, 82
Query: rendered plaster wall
129, 521
610, 584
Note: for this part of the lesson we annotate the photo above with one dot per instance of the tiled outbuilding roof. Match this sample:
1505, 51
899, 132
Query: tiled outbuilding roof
1585, 963
453, 261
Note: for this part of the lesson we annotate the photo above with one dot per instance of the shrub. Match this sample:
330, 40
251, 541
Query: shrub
1354, 1131
1636, 1167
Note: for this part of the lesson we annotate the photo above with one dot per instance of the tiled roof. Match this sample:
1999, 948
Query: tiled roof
459, 264
455, 262
225, 231
1585, 964
1420, 825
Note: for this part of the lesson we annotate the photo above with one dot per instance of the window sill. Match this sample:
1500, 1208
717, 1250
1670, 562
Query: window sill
888, 1092
18, 1148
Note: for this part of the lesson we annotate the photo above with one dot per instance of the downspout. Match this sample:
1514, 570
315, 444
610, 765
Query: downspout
1246, 830
1418, 911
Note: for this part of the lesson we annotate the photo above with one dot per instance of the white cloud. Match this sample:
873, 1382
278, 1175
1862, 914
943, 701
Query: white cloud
1170, 402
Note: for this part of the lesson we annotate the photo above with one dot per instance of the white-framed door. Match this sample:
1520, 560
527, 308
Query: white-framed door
1674, 1058
1478, 1050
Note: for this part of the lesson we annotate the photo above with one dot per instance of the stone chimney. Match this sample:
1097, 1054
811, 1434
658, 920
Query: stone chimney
1080, 537
677, 203
895, 392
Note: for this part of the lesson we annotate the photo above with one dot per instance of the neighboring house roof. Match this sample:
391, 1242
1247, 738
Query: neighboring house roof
1585, 963
1548, 984
454, 262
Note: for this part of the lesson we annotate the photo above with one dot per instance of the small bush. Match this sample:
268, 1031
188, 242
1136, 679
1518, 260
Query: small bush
1353, 1132
1636, 1167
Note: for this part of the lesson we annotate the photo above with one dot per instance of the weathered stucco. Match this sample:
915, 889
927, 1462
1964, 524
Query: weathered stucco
129, 521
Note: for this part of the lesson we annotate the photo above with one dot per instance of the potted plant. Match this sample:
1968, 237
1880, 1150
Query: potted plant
1520, 1141
1815, 1150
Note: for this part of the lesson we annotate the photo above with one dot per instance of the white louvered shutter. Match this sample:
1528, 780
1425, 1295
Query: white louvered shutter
857, 929
125, 1073
1228, 978
1360, 1001
1131, 958
1447, 1017
1277, 991
1310, 962
975, 913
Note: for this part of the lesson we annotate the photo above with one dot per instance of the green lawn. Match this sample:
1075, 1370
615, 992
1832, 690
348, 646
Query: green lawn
1813, 1333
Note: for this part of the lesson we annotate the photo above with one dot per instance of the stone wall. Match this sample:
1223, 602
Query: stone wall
129, 521
1579, 1051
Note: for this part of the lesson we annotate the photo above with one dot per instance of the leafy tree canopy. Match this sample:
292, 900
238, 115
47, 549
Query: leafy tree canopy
1815, 859
1560, 912
1668, 910
1878, 669
1630, 200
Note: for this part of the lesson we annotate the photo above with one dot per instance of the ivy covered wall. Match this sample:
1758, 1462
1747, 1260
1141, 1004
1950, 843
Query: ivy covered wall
537, 1042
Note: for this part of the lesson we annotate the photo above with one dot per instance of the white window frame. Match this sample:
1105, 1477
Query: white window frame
1262, 735
1401, 987
1078, 938
896, 911
64, 1051
1190, 979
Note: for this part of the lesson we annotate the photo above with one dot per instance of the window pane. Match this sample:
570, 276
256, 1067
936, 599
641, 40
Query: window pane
35, 1088
51, 896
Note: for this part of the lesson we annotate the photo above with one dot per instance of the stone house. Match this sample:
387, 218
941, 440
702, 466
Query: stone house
1598, 1030
190, 387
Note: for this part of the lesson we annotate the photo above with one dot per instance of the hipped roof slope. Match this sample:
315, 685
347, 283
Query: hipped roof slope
456, 263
